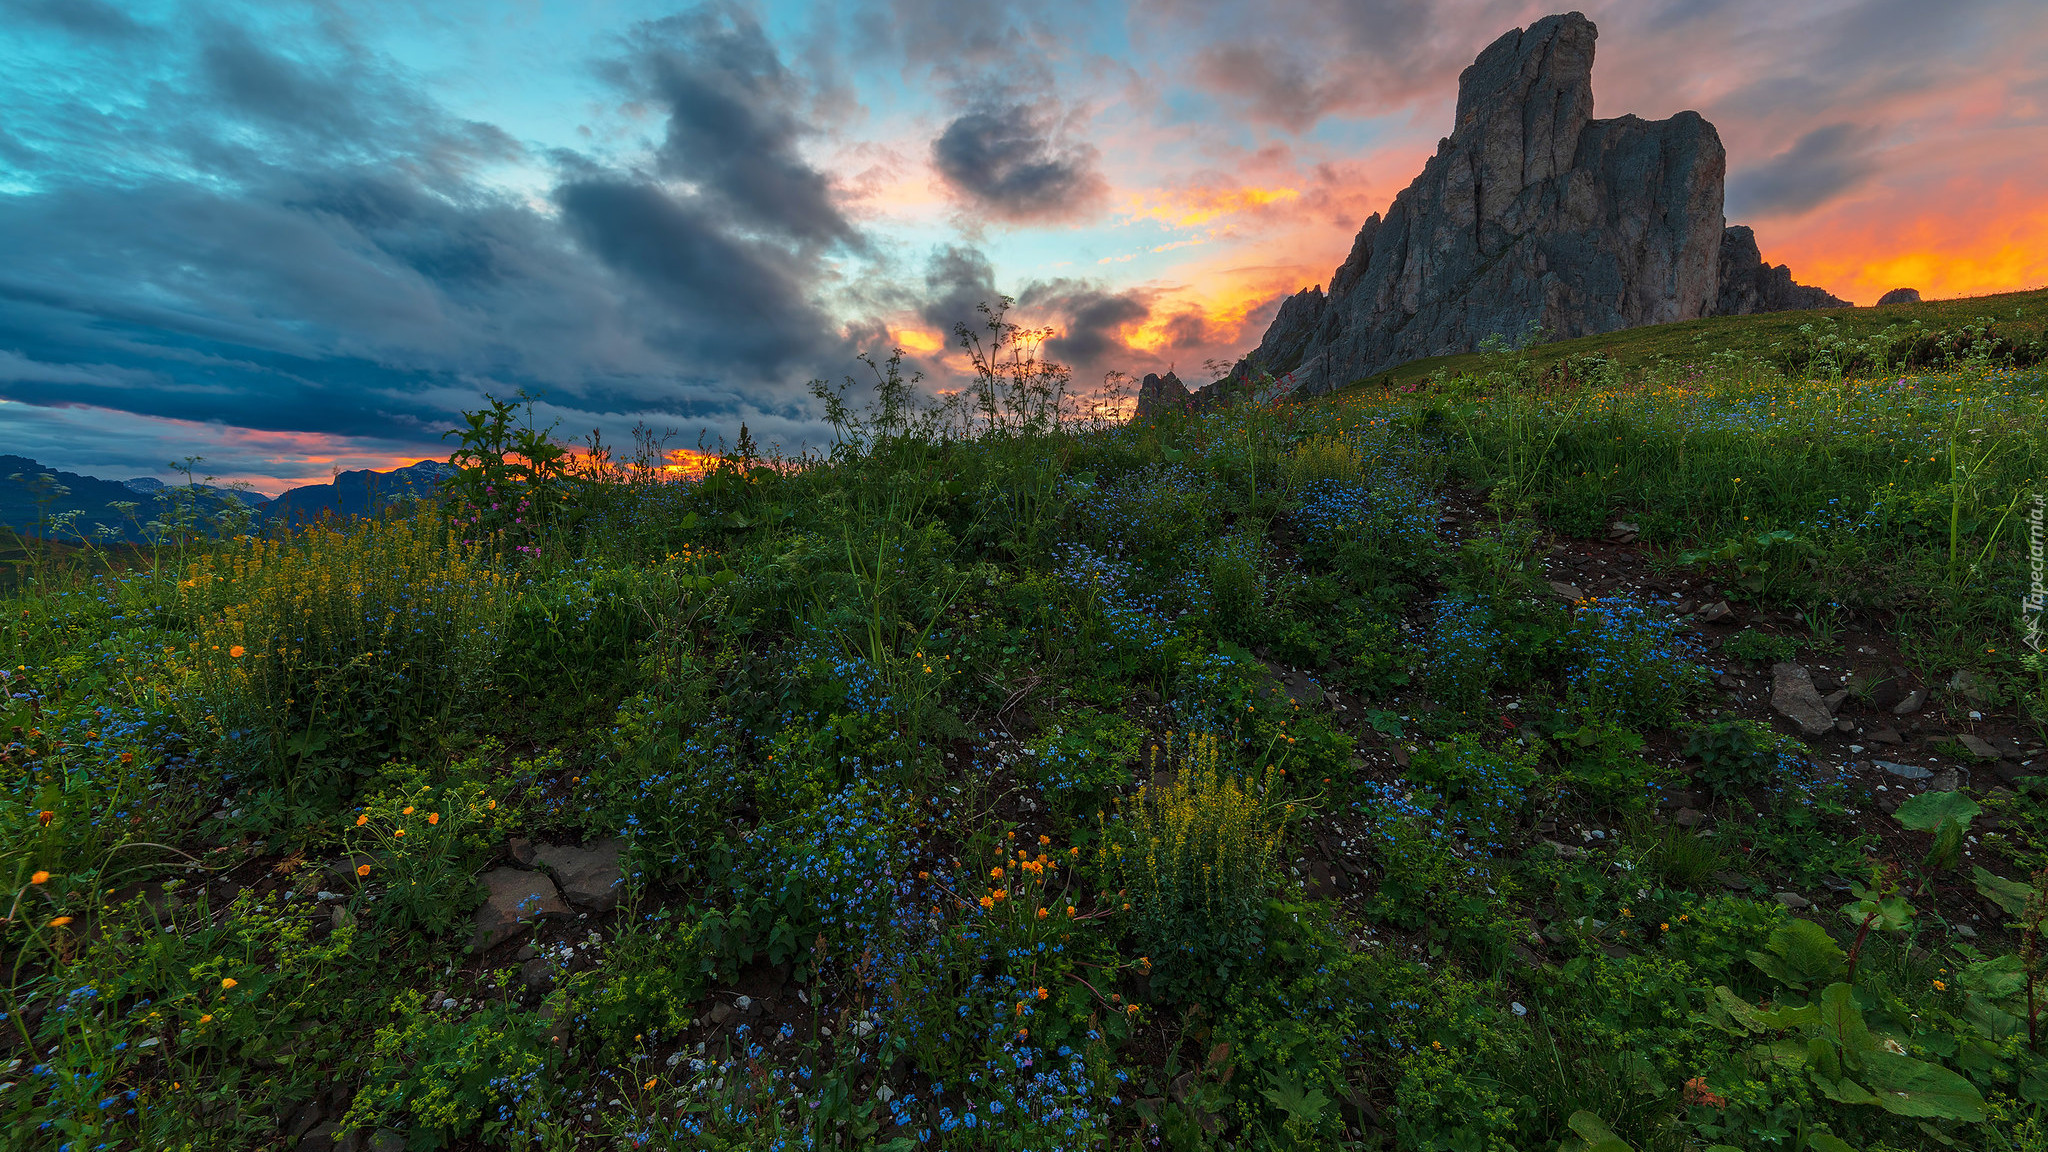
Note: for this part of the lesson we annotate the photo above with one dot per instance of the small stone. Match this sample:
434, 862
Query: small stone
743, 1003
1834, 699
1565, 591
386, 1140
1914, 701
1733, 881
520, 849
1688, 818
1845, 725
1728, 682
1683, 607
1716, 613
1969, 686
1793, 901
588, 876
1566, 851
328, 1137
1947, 780
1965, 931
303, 1118
526, 952
534, 974
721, 1013
1904, 771
1793, 696
1885, 735
516, 899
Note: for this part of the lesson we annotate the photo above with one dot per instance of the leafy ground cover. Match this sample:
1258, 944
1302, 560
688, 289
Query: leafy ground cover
1637, 759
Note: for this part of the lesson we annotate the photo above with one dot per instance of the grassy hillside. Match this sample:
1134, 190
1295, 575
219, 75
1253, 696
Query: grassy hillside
1510, 762
1763, 339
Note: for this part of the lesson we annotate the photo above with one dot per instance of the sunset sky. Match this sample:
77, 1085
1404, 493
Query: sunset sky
290, 237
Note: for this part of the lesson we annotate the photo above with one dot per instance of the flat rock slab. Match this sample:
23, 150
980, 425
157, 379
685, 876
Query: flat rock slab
517, 898
1981, 749
589, 876
1794, 697
1905, 771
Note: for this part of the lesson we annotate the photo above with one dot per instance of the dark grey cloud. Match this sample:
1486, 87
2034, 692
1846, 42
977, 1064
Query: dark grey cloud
1088, 319
957, 281
729, 298
1821, 165
287, 235
735, 120
1003, 160
92, 19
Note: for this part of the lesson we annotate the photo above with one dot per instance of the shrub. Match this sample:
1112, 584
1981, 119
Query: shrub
1628, 668
1735, 754
1194, 860
425, 840
336, 647
1322, 458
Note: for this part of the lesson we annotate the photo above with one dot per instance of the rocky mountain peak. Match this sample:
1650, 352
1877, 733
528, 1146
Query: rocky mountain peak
1532, 218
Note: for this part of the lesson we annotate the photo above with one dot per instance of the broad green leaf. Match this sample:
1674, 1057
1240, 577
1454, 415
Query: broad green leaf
1946, 849
1822, 1142
1799, 953
1844, 1091
1843, 1019
1908, 1087
1929, 810
2009, 895
1593, 1136
1997, 978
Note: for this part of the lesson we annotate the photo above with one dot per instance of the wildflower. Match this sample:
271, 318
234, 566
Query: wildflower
651, 1081
60, 921
227, 982
1697, 1093
206, 1019
1070, 911
1041, 913
433, 817
362, 820
988, 902
1041, 993
362, 869
39, 878
405, 811
1000, 893
236, 651
45, 816
995, 873
1663, 927
1044, 840
398, 831
127, 757
1940, 986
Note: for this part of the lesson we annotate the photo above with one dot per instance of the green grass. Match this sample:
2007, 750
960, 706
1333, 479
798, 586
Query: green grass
1739, 339
976, 756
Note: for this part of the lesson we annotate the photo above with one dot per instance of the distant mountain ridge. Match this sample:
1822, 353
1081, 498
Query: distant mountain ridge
1532, 217
97, 508
359, 492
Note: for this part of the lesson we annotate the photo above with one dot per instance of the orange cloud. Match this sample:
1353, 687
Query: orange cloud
1193, 207
1999, 243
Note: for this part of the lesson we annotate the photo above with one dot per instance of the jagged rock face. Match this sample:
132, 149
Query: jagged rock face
1158, 393
1531, 216
1748, 285
1899, 296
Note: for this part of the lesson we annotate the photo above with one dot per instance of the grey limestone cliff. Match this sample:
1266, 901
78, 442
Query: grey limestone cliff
1532, 217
